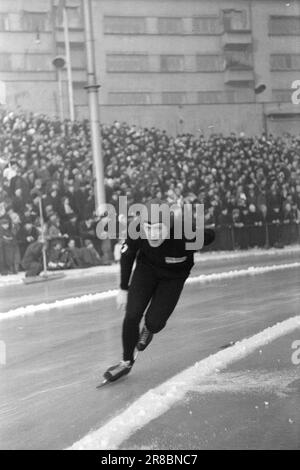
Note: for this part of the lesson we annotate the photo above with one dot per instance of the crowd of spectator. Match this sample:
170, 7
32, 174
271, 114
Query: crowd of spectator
250, 186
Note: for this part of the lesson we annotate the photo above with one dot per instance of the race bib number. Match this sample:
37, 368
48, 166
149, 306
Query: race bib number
170, 260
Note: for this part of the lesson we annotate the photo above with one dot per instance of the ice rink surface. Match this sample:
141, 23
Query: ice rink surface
55, 359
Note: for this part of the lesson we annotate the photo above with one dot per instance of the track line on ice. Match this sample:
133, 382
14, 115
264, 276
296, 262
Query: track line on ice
87, 298
51, 389
157, 401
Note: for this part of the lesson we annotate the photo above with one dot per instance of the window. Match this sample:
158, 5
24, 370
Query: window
244, 95
77, 55
124, 25
127, 62
203, 25
129, 98
171, 63
38, 62
289, 25
282, 96
5, 62
173, 97
285, 62
3, 22
209, 63
25, 62
11, 22
80, 93
228, 96
75, 17
235, 20
33, 21
214, 97
238, 60
169, 25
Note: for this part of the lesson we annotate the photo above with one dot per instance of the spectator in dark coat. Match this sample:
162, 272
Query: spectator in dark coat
238, 225
80, 200
75, 253
52, 199
87, 229
19, 202
65, 209
70, 228
33, 258
289, 229
19, 182
89, 255
256, 228
224, 238
7, 242
26, 235
274, 218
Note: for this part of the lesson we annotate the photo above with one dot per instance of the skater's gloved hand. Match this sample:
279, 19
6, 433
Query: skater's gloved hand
122, 299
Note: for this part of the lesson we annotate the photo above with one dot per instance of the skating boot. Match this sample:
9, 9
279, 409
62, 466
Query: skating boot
117, 371
144, 339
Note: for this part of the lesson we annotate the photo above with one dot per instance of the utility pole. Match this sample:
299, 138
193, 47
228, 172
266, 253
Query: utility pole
59, 63
260, 88
68, 61
92, 89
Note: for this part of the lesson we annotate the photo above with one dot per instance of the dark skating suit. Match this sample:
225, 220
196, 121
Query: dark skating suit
156, 284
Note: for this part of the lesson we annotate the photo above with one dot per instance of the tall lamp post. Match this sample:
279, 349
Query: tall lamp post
260, 88
62, 16
92, 89
59, 63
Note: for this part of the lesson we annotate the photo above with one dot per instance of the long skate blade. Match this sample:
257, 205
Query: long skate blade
106, 381
103, 383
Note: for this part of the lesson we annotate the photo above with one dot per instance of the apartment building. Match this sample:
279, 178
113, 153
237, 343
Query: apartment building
183, 65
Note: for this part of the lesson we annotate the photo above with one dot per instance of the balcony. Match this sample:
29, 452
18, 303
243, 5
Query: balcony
237, 39
239, 78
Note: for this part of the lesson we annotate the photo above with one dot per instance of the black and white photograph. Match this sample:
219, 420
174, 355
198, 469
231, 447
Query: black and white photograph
149, 228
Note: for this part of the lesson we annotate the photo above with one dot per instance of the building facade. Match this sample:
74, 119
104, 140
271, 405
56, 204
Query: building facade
181, 65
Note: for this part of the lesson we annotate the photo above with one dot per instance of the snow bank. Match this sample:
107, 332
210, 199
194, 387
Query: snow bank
44, 307
87, 298
249, 253
157, 401
251, 271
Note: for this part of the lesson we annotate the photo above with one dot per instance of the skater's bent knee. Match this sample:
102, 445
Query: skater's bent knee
155, 327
